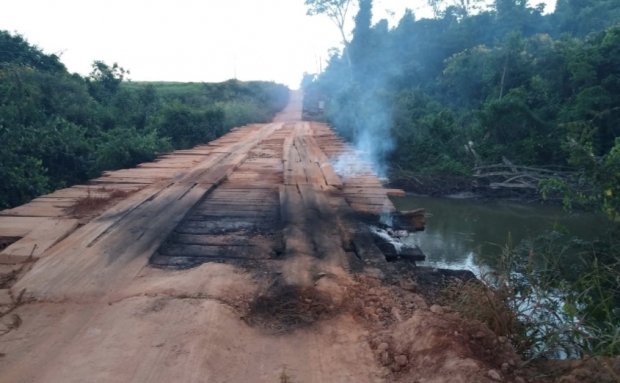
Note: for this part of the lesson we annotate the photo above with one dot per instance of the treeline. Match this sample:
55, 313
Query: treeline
476, 86
58, 129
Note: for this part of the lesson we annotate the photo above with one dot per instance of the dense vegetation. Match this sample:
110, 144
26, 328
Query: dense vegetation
58, 128
506, 83
474, 86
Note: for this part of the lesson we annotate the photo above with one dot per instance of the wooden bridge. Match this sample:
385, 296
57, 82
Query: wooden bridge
76, 264
261, 192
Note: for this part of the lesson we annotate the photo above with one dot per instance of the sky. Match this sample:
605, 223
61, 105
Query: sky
188, 40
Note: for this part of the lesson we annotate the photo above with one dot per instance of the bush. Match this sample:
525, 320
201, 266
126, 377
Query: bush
555, 296
239, 113
186, 126
124, 148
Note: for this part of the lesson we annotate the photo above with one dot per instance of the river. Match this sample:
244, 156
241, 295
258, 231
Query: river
469, 233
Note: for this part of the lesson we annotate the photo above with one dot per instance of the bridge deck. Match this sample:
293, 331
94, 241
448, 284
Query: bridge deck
243, 176
264, 198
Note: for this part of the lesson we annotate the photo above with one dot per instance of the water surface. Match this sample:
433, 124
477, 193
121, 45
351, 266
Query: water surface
469, 233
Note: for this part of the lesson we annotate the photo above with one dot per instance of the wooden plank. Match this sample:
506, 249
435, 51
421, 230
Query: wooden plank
84, 267
396, 192
76, 192
34, 210
103, 185
62, 203
124, 180
241, 214
37, 241
179, 250
240, 207
370, 202
213, 240
18, 226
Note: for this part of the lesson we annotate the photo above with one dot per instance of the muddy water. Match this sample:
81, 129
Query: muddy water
469, 234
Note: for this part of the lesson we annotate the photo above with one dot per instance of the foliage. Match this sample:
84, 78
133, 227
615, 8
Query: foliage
58, 129
185, 125
586, 276
476, 85
580, 17
104, 80
475, 300
420, 148
125, 147
15, 50
554, 296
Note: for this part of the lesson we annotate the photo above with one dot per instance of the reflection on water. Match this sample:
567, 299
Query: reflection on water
469, 234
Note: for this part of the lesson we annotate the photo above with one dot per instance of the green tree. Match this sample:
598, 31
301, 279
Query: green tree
105, 80
580, 17
14, 49
463, 8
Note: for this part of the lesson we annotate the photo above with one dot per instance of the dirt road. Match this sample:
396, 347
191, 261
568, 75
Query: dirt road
244, 260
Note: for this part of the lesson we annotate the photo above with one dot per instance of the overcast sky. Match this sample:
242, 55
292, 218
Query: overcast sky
187, 40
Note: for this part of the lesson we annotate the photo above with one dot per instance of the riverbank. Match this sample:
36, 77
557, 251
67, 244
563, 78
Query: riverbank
454, 186
481, 236
413, 316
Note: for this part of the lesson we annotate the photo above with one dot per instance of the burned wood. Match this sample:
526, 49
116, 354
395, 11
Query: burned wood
394, 249
412, 220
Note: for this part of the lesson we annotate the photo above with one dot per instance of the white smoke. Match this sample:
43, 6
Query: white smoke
372, 141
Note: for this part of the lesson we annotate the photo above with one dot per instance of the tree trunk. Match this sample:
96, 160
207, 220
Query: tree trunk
501, 85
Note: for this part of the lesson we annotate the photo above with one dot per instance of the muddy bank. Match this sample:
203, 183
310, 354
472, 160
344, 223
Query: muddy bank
458, 187
418, 334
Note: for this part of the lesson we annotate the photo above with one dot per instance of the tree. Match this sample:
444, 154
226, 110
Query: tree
580, 17
461, 7
14, 49
337, 11
105, 80
361, 42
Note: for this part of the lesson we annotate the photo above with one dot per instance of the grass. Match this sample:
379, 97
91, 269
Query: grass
477, 301
543, 313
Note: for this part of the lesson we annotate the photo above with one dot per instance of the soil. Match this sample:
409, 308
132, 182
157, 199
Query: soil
227, 323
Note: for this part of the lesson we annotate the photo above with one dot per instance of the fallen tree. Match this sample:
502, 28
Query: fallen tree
510, 176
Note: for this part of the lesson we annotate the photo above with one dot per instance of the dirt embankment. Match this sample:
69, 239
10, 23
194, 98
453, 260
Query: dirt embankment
409, 327
227, 323
394, 311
